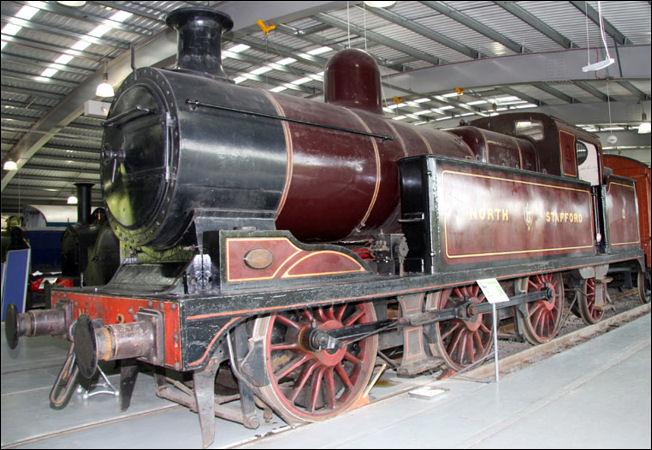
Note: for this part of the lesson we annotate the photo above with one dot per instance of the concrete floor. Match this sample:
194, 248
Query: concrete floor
595, 395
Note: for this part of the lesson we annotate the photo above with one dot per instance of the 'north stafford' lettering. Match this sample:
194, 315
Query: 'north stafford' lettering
502, 215
563, 217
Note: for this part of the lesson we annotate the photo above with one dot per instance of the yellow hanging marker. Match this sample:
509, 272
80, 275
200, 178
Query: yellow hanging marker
459, 91
266, 29
398, 100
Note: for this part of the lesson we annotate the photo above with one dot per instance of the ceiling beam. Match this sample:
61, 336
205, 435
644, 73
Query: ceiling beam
378, 38
537, 24
561, 66
612, 31
431, 34
476, 26
622, 112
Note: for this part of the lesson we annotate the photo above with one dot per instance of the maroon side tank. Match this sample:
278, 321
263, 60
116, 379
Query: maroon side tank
340, 185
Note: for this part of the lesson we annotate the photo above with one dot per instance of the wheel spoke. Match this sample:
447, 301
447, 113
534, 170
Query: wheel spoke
287, 321
343, 376
301, 382
290, 367
470, 347
353, 359
321, 315
340, 312
330, 313
330, 388
278, 347
354, 318
454, 343
462, 350
455, 326
308, 315
537, 307
478, 343
316, 388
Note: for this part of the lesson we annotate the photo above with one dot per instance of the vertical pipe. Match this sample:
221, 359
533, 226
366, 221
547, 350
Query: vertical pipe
84, 203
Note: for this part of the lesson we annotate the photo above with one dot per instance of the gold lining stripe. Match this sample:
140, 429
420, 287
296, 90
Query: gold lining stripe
290, 153
425, 141
520, 155
322, 252
398, 135
512, 252
561, 154
377, 186
638, 232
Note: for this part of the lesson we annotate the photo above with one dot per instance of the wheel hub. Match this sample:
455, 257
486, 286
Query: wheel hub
327, 357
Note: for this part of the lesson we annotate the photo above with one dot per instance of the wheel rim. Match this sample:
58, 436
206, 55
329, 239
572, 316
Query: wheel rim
588, 310
310, 386
462, 342
544, 316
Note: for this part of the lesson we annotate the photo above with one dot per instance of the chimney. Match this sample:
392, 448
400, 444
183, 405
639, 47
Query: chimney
84, 203
199, 40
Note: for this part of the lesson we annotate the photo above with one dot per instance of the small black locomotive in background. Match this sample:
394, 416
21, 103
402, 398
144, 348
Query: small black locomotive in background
298, 240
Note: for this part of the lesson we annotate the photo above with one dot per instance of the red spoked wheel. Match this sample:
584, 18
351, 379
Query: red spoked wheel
587, 296
461, 342
306, 385
544, 317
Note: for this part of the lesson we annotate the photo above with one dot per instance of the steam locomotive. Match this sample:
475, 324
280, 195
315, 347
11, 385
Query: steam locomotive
298, 240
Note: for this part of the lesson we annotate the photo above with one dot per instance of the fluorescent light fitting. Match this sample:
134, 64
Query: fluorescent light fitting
11, 29
644, 128
238, 80
49, 72
239, 48
260, 70
380, 4
278, 89
81, 45
99, 30
301, 80
319, 51
120, 16
26, 12
286, 61
64, 59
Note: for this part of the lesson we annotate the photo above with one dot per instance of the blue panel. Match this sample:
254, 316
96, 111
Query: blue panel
46, 249
15, 276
